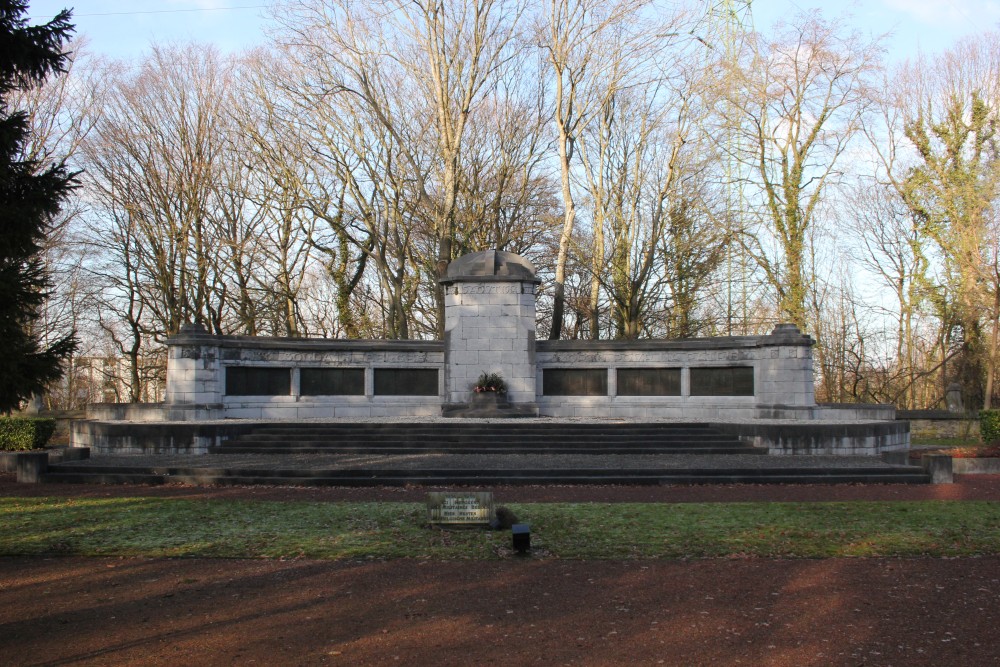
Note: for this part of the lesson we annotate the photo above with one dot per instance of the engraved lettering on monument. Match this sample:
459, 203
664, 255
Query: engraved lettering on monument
193, 352
639, 357
480, 288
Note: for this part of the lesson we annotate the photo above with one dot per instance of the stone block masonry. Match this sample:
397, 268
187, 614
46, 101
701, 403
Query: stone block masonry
490, 326
208, 384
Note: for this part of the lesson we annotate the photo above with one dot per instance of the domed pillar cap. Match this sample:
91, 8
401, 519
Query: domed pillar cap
490, 266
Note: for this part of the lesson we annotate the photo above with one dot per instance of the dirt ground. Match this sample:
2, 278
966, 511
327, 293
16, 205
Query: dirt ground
107, 611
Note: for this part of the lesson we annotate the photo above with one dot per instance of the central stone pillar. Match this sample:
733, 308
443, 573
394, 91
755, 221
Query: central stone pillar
489, 313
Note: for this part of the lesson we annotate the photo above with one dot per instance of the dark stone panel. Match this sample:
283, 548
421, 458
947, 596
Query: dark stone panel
332, 382
406, 381
649, 382
258, 381
722, 381
575, 382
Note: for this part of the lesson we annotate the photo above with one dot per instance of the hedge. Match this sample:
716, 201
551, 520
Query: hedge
23, 433
989, 425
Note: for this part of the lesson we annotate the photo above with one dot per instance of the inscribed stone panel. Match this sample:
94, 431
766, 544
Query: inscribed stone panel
489, 288
258, 381
332, 382
406, 381
575, 382
649, 381
722, 381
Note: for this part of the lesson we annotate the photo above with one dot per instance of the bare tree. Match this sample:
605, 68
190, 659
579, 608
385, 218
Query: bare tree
943, 163
119, 306
152, 159
356, 165
799, 97
588, 44
507, 199
632, 168
444, 54
890, 247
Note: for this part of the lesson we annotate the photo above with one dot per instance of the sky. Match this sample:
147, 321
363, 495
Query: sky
126, 28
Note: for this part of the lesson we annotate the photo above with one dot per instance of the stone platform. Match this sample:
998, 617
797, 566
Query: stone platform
437, 470
776, 437
443, 452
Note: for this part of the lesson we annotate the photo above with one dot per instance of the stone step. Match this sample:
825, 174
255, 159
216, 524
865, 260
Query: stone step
381, 448
417, 438
507, 441
371, 477
477, 427
492, 427
482, 437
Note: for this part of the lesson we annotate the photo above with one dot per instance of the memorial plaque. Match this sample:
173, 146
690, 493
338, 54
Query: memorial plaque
575, 382
406, 382
466, 508
258, 381
722, 381
332, 382
649, 382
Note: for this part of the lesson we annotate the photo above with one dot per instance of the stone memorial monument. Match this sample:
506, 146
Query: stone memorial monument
489, 308
758, 388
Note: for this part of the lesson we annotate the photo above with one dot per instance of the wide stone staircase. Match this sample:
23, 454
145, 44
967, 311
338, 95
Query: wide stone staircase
470, 453
515, 437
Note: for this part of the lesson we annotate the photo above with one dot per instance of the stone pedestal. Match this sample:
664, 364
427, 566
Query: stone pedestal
939, 467
784, 383
193, 370
490, 328
490, 400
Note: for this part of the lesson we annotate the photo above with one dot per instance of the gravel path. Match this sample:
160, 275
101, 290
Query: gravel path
776, 613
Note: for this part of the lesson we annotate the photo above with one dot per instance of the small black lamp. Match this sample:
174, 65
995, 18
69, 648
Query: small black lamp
521, 533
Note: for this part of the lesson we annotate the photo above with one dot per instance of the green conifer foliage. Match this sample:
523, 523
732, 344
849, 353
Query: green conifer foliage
31, 194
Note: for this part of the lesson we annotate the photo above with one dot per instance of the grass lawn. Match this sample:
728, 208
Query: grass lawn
170, 527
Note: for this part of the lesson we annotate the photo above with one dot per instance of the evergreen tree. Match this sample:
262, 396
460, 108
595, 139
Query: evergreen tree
31, 195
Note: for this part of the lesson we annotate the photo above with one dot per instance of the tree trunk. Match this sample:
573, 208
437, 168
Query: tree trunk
559, 295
